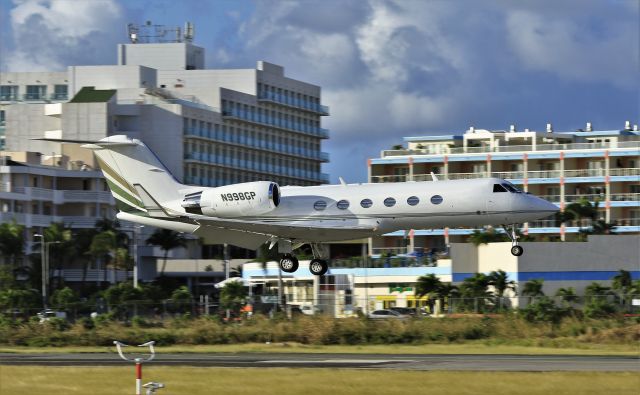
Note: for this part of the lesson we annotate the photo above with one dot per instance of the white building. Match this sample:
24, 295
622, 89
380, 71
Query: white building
601, 166
209, 127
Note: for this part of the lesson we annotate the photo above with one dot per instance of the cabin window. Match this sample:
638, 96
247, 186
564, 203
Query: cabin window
366, 203
320, 205
499, 188
413, 200
389, 202
343, 204
436, 199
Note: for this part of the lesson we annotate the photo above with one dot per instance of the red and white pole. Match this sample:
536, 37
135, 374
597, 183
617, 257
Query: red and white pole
138, 376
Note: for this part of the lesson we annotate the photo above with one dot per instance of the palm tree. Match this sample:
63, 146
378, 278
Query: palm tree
596, 289
622, 282
11, 242
167, 240
533, 288
568, 295
62, 246
233, 296
486, 236
499, 279
103, 247
474, 290
429, 285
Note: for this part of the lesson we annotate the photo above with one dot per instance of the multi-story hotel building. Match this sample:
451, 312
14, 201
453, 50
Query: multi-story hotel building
209, 127
602, 166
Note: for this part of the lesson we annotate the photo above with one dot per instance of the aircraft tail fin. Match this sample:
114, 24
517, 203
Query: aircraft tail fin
138, 180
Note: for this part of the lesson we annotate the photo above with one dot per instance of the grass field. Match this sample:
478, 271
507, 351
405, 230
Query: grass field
27, 380
479, 347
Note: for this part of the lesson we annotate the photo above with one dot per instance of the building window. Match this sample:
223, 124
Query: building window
36, 92
389, 202
366, 203
320, 205
8, 92
413, 200
60, 92
436, 199
343, 204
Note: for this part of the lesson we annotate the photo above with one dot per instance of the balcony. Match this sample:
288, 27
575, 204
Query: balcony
511, 148
58, 196
11, 97
34, 97
290, 101
93, 275
31, 220
265, 145
516, 176
276, 122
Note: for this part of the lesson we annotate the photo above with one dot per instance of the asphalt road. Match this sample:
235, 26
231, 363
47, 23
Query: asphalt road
521, 363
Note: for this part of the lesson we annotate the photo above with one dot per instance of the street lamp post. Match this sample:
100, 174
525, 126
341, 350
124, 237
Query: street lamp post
44, 262
44, 273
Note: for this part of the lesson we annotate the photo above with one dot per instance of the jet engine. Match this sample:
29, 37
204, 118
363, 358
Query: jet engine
236, 200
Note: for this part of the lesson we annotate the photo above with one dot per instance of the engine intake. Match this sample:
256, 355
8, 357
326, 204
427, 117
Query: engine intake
237, 200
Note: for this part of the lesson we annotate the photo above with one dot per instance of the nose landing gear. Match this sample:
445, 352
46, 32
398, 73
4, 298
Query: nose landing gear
516, 249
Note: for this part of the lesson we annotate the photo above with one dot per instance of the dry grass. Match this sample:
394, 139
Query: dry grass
27, 380
470, 347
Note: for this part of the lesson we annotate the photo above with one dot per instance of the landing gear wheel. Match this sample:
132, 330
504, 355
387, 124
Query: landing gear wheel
516, 250
289, 263
318, 267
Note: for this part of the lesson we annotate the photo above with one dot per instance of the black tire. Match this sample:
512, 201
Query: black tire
289, 263
318, 267
517, 250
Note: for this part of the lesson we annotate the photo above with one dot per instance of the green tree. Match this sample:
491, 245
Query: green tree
474, 291
543, 309
487, 236
103, 247
499, 279
11, 242
19, 299
533, 288
568, 295
167, 240
63, 297
181, 298
61, 249
233, 296
429, 285
623, 283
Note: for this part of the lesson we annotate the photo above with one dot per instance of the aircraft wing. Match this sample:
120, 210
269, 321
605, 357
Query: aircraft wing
309, 230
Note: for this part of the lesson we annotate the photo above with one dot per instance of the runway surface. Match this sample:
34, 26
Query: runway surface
522, 363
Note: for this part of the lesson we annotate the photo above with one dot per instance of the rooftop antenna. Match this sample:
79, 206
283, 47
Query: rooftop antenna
189, 32
132, 32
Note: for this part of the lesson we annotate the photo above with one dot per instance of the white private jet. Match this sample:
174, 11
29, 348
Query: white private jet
254, 213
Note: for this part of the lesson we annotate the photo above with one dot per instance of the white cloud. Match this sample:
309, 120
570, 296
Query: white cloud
49, 33
572, 49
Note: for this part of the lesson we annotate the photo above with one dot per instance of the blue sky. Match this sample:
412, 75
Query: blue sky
388, 68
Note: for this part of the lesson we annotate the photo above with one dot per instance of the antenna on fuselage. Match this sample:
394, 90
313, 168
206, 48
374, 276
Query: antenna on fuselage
344, 184
433, 176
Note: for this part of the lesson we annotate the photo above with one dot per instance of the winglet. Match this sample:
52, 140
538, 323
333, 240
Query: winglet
433, 176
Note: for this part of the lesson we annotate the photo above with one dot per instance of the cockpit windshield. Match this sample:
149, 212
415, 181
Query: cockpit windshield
505, 186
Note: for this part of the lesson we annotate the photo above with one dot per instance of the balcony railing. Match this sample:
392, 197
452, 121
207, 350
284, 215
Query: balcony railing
276, 122
294, 102
59, 196
256, 143
513, 175
512, 148
30, 220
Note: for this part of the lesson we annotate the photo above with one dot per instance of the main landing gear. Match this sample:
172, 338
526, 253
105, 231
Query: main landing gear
318, 266
516, 249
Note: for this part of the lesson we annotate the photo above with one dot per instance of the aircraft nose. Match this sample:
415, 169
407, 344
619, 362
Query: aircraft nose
544, 206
